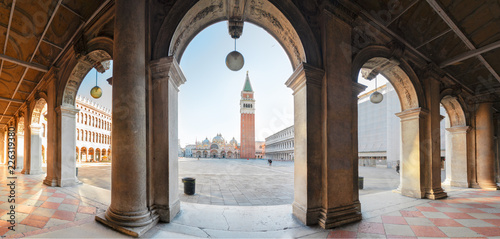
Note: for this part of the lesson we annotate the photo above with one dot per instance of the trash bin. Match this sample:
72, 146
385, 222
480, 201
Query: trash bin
189, 185
360, 182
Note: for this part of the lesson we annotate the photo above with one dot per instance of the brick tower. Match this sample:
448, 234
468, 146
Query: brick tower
247, 111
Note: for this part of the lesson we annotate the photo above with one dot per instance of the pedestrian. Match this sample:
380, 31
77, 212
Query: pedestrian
397, 167
270, 161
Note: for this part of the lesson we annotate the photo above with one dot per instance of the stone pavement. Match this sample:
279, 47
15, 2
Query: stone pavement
240, 182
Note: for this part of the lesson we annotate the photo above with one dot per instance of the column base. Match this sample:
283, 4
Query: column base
131, 231
308, 216
36, 172
168, 213
486, 185
68, 182
412, 193
52, 182
460, 184
339, 216
437, 193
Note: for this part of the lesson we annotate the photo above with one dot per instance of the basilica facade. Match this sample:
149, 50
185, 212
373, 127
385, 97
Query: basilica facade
217, 148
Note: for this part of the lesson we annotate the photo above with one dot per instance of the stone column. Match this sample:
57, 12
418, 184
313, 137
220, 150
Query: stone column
20, 150
338, 163
3, 152
412, 160
36, 150
484, 147
432, 145
128, 212
27, 142
167, 76
456, 156
65, 165
306, 84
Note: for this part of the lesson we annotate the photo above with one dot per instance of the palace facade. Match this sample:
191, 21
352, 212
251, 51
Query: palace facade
217, 148
93, 131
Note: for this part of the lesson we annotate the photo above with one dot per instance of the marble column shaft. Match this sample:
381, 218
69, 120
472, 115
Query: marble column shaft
306, 84
432, 142
456, 152
128, 207
485, 153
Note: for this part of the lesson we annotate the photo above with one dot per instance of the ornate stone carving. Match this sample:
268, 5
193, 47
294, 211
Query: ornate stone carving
84, 65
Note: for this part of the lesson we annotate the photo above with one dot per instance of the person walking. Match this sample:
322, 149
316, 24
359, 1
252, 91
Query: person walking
397, 167
270, 161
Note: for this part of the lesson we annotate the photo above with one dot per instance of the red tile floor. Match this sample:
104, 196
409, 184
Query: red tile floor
471, 214
40, 209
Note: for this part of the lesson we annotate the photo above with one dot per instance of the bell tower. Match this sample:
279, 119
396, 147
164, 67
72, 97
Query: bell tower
247, 112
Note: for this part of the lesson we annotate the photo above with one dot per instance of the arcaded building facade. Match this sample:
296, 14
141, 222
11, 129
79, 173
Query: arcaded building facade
279, 146
93, 131
433, 52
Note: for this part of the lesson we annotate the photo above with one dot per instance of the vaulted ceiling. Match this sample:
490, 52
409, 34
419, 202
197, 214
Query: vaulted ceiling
461, 37
33, 37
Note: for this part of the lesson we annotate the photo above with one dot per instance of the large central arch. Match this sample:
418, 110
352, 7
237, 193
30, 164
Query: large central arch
302, 49
292, 33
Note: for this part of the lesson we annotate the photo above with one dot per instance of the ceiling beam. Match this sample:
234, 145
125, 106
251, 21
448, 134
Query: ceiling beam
469, 54
33, 66
434, 38
403, 12
72, 11
440, 11
10, 100
7, 116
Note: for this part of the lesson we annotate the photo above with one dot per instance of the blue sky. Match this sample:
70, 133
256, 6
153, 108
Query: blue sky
209, 100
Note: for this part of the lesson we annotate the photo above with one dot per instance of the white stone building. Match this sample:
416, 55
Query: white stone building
217, 148
93, 127
279, 146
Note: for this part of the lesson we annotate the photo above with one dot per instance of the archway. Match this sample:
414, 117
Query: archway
457, 129
33, 153
419, 119
83, 153
91, 155
98, 155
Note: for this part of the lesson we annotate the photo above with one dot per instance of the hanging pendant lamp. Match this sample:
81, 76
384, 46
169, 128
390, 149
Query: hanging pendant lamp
96, 91
235, 60
376, 97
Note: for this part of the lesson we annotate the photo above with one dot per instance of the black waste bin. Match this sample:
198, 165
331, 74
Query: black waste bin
360, 182
189, 185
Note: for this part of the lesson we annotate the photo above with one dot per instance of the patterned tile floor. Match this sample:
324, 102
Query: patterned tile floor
470, 214
39, 208
43, 211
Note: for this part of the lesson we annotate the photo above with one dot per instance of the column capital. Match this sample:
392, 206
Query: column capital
458, 129
305, 74
167, 68
412, 114
67, 110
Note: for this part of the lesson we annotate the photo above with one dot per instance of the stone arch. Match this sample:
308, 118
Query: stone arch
81, 68
457, 145
375, 60
293, 33
37, 110
455, 110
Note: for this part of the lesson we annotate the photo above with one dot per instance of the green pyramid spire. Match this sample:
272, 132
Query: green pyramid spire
247, 87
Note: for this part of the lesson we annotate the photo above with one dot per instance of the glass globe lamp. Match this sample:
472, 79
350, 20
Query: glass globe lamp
376, 97
96, 92
235, 61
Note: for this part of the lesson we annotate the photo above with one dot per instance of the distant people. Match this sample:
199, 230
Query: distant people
397, 167
270, 161
198, 158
